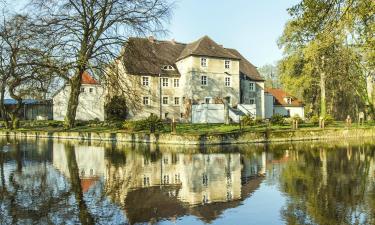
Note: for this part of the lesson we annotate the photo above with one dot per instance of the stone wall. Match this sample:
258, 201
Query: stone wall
205, 139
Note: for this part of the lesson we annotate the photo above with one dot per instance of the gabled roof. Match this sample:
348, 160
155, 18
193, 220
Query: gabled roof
246, 67
142, 56
88, 79
280, 95
145, 57
205, 46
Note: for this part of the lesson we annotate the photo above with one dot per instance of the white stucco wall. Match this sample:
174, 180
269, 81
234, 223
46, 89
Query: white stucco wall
283, 110
90, 107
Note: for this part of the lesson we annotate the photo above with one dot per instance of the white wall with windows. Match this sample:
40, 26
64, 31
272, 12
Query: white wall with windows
90, 103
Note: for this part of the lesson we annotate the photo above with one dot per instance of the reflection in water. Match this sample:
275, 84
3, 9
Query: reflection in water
48, 182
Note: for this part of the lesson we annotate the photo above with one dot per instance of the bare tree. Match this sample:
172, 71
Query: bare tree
89, 34
23, 64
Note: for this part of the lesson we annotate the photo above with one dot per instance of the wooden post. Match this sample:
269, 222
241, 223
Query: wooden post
321, 122
348, 121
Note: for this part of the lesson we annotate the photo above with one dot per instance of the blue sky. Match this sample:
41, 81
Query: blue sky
250, 26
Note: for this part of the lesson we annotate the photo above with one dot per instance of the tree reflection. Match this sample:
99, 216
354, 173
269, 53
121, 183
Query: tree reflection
329, 186
84, 216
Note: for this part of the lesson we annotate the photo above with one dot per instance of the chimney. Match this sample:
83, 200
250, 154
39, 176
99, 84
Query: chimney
151, 39
173, 41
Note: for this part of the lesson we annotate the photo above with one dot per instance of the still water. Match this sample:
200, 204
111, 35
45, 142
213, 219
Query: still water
55, 182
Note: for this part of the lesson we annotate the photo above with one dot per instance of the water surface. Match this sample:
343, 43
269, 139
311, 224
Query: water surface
56, 182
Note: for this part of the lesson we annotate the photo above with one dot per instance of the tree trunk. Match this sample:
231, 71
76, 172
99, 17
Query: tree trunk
84, 215
75, 90
322, 84
3, 112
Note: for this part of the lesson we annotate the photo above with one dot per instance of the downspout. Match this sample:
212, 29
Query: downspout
160, 98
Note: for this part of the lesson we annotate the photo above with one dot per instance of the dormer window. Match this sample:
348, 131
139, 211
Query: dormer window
227, 64
168, 67
288, 100
203, 62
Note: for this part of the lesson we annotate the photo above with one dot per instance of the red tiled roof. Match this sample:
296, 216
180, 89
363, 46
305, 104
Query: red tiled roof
280, 95
87, 183
88, 79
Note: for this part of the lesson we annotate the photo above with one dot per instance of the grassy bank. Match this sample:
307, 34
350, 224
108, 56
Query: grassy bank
116, 127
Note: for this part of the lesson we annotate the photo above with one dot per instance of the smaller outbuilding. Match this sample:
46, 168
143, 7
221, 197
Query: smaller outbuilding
277, 101
32, 109
90, 102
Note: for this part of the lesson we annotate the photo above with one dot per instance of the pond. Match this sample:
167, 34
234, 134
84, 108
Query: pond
71, 182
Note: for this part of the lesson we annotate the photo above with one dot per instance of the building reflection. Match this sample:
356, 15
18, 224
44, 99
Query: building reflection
151, 186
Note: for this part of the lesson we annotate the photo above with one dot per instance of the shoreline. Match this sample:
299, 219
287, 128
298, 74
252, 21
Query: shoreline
238, 137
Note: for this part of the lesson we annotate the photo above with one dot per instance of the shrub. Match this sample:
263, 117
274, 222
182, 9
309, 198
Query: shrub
298, 118
259, 121
152, 123
277, 119
116, 108
328, 119
248, 120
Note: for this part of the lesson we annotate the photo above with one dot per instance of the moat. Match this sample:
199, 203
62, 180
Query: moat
72, 182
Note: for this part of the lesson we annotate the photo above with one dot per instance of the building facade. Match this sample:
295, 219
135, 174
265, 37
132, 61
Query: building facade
90, 104
282, 103
167, 78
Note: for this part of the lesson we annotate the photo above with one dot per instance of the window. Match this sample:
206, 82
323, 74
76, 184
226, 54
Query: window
252, 86
227, 81
164, 82
168, 67
176, 100
165, 100
227, 64
82, 90
228, 98
91, 90
146, 100
289, 100
204, 62
145, 81
252, 101
207, 100
176, 82
204, 80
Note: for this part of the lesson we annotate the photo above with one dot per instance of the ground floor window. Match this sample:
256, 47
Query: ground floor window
252, 101
146, 100
207, 100
165, 100
176, 100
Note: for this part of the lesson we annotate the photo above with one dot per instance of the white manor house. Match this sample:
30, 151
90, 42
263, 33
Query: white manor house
199, 82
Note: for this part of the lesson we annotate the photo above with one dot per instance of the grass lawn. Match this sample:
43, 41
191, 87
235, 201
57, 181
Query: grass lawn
55, 126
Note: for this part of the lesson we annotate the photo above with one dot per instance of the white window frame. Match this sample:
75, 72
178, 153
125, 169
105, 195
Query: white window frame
162, 100
164, 82
252, 86
204, 62
148, 100
209, 100
82, 90
251, 100
91, 90
227, 64
176, 82
227, 81
204, 82
289, 100
146, 81
174, 100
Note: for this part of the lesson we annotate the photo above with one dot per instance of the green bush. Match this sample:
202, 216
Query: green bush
298, 118
248, 120
277, 119
328, 119
259, 121
116, 108
152, 123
